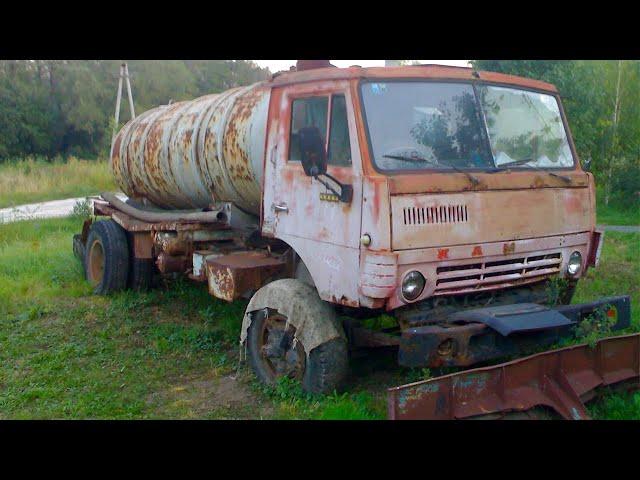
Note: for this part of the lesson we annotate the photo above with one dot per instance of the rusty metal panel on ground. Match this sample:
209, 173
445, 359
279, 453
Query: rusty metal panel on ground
558, 379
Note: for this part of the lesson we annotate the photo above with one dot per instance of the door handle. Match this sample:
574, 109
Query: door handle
280, 207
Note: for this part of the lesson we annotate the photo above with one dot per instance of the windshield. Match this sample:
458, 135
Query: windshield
433, 125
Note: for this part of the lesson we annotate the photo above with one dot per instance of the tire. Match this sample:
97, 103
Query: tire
141, 272
320, 371
78, 247
107, 257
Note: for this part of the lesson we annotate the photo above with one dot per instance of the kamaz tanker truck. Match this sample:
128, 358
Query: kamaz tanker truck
449, 199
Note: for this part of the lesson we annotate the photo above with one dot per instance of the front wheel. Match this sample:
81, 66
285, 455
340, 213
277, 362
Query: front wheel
275, 349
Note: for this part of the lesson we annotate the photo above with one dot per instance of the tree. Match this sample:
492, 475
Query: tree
62, 107
600, 99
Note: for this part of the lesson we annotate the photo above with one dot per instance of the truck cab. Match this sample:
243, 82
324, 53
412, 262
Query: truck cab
460, 183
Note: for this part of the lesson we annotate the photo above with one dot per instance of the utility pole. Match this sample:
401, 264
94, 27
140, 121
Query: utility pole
124, 75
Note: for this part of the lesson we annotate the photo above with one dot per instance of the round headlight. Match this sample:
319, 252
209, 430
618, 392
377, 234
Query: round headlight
575, 263
412, 285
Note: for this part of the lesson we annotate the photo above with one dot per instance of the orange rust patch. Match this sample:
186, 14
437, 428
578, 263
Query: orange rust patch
308, 210
538, 182
324, 234
573, 205
287, 176
477, 251
509, 248
443, 253
375, 207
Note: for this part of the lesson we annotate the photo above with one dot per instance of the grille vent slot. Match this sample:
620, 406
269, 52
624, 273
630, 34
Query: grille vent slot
435, 215
477, 275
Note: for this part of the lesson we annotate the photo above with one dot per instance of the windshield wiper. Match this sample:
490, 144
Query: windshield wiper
501, 167
416, 159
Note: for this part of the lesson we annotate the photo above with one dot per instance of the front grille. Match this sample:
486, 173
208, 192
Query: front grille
483, 274
435, 215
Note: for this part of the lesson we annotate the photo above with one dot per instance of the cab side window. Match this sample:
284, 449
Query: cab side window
339, 153
307, 112
314, 112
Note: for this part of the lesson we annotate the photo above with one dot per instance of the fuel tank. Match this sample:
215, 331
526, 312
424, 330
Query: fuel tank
192, 153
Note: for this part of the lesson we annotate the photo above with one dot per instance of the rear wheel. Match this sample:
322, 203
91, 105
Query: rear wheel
141, 270
107, 257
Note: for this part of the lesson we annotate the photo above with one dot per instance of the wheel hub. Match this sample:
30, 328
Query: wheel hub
280, 351
96, 263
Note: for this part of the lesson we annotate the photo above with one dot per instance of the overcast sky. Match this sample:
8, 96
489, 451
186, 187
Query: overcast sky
277, 65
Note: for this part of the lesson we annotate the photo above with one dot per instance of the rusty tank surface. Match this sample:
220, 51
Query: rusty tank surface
194, 153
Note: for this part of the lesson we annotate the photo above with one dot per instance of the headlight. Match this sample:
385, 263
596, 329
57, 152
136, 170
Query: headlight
412, 285
575, 263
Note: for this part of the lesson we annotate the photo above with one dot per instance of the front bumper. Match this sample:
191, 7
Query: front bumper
478, 335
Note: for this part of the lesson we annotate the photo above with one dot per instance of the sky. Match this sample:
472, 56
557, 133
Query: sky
277, 65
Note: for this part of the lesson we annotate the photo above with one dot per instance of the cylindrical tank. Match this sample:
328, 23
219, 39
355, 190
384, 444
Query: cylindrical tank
190, 154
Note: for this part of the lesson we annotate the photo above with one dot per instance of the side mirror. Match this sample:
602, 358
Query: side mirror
312, 152
586, 164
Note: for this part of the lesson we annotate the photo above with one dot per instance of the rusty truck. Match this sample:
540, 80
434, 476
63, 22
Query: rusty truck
448, 199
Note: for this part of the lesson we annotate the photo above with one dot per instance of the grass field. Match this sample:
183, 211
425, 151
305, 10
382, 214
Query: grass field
31, 181
173, 353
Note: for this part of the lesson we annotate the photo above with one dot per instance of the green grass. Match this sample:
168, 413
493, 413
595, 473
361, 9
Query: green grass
614, 406
31, 181
616, 213
617, 274
173, 352
167, 353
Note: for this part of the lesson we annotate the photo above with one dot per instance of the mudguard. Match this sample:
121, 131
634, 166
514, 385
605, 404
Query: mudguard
315, 321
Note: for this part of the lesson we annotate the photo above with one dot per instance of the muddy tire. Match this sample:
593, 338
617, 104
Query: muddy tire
106, 259
274, 350
78, 247
141, 271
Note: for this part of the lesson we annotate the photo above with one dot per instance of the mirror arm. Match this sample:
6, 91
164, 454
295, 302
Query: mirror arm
346, 191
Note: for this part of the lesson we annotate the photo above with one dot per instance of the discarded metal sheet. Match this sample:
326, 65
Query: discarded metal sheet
559, 379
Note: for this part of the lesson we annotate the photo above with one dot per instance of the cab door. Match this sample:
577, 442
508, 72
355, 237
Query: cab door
301, 205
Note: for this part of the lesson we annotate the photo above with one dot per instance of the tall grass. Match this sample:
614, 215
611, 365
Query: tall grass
36, 180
